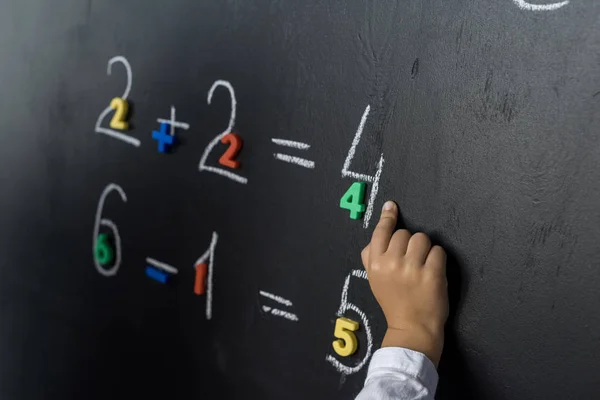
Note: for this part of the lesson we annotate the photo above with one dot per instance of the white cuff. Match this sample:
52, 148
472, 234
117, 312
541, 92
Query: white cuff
404, 361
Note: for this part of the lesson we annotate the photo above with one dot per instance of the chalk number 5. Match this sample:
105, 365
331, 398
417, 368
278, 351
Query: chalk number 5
347, 343
121, 107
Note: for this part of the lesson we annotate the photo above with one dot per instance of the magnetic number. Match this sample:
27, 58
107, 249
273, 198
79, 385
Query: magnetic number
353, 200
120, 105
374, 179
119, 120
235, 145
202, 165
99, 241
103, 252
347, 343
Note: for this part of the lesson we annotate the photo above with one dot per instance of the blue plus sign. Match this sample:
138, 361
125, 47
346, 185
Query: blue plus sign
164, 139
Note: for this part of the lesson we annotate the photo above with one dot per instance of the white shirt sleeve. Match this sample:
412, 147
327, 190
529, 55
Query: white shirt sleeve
399, 374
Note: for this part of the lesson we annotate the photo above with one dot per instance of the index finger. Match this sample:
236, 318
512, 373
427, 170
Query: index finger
385, 229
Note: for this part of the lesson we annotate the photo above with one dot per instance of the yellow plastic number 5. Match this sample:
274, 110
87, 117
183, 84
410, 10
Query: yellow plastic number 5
347, 343
119, 120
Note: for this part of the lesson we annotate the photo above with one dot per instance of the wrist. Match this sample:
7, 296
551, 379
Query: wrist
417, 339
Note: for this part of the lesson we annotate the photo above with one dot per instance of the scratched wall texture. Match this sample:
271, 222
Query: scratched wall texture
487, 115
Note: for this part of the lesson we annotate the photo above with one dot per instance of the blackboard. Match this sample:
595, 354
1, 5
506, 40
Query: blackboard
479, 118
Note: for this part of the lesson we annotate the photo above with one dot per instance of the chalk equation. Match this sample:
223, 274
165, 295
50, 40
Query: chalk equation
107, 253
107, 244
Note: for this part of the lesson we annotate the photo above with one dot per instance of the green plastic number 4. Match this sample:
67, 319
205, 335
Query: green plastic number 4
353, 200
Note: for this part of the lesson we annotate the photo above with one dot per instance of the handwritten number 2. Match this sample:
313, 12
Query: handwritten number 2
215, 141
235, 145
119, 120
120, 105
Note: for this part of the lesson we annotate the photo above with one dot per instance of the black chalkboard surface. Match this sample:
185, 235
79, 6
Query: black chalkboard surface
479, 118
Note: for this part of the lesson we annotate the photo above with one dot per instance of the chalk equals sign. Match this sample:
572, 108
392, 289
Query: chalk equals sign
302, 162
276, 311
159, 271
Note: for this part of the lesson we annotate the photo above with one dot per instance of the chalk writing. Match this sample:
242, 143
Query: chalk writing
293, 159
161, 265
99, 221
275, 311
209, 255
523, 5
202, 165
346, 173
111, 132
345, 305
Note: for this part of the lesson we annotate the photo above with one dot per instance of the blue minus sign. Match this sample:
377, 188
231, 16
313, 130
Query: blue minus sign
157, 274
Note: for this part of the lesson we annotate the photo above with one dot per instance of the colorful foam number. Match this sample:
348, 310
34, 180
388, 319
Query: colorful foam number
346, 344
103, 251
235, 145
119, 120
353, 200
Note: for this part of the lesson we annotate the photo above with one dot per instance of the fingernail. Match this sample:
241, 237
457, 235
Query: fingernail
388, 206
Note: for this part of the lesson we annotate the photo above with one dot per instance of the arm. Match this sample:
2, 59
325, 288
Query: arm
408, 278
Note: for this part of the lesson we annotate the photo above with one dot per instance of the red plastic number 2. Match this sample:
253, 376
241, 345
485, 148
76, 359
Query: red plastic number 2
235, 145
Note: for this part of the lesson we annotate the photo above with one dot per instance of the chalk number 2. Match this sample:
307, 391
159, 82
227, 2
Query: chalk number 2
121, 107
226, 137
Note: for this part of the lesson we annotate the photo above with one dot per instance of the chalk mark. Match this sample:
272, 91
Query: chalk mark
161, 265
202, 165
345, 306
523, 5
291, 143
280, 313
210, 256
276, 298
302, 162
109, 132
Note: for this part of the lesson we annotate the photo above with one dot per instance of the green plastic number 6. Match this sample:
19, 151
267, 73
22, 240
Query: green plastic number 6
104, 252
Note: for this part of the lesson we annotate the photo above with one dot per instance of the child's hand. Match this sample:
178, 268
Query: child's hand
408, 278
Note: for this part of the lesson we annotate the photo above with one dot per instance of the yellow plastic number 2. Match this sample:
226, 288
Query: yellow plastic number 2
347, 343
119, 120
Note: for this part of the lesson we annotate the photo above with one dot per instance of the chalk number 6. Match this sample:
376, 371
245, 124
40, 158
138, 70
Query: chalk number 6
120, 105
99, 221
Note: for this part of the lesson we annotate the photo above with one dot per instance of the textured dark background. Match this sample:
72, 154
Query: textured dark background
487, 116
